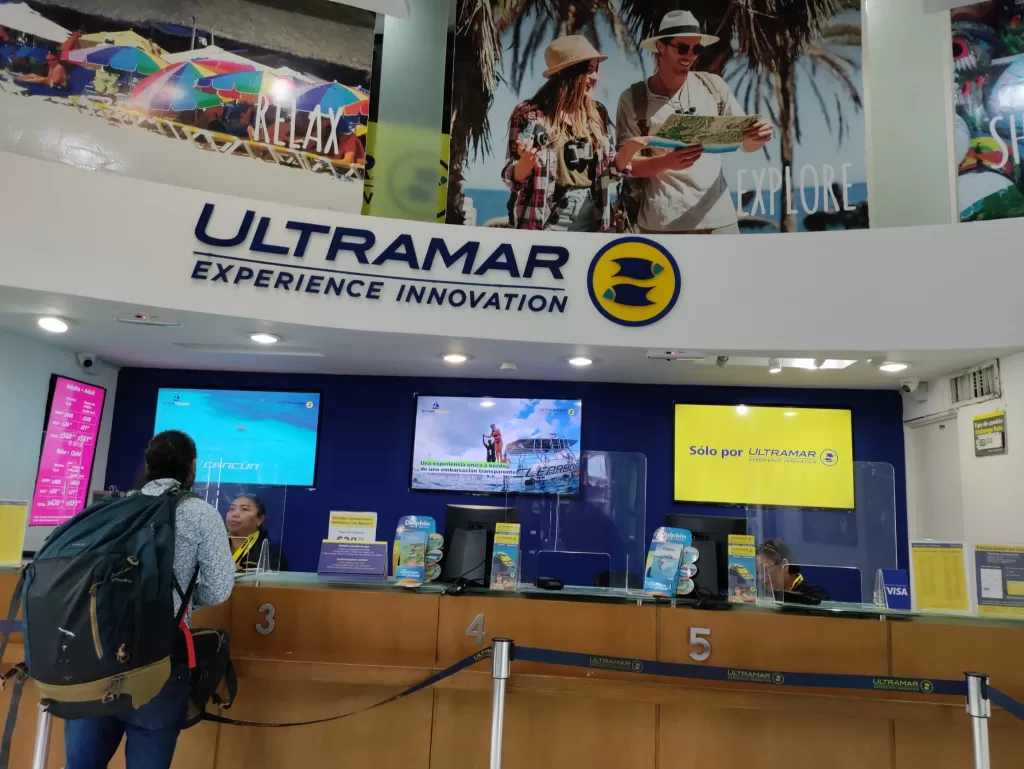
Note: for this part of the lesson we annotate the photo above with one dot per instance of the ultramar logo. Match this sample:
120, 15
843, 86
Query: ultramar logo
755, 677
354, 264
617, 663
902, 685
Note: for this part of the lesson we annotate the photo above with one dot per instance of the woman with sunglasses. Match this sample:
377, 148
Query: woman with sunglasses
681, 190
561, 160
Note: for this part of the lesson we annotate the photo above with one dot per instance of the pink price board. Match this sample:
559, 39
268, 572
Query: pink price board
69, 445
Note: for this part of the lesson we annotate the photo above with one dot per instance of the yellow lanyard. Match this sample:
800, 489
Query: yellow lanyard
797, 581
245, 547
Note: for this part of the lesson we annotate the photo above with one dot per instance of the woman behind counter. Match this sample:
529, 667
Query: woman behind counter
247, 534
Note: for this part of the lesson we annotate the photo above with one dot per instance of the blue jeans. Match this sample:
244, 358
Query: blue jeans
152, 732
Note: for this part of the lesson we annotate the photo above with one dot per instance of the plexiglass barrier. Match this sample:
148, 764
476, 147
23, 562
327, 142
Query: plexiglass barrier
863, 538
595, 539
253, 511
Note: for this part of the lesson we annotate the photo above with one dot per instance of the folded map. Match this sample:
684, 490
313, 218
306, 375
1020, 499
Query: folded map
717, 130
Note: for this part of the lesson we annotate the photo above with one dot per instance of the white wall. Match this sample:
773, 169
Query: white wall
25, 368
992, 488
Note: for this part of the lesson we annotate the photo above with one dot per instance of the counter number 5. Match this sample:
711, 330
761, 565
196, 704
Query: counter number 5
699, 637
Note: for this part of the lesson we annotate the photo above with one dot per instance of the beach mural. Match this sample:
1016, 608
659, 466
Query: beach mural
662, 116
988, 80
245, 97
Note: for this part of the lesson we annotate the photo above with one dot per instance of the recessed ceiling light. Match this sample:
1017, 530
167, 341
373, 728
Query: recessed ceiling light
741, 409
455, 358
774, 366
789, 413
892, 367
262, 338
486, 404
53, 325
580, 361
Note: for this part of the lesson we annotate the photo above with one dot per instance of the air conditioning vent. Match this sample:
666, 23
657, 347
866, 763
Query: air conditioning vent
975, 385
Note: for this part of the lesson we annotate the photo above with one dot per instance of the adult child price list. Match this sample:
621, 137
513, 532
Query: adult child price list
69, 445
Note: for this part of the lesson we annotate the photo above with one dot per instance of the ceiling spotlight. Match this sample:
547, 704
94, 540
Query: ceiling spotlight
741, 409
455, 358
892, 367
261, 338
774, 366
580, 361
507, 366
486, 404
721, 361
819, 362
789, 413
53, 325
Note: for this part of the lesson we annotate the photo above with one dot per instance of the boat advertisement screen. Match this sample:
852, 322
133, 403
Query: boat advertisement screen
246, 436
496, 445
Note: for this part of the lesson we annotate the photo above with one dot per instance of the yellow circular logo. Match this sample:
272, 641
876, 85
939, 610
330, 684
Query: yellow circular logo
309, 404
638, 667
927, 687
634, 281
572, 412
778, 678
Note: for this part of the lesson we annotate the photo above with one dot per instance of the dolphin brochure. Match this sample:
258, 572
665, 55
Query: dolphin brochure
497, 445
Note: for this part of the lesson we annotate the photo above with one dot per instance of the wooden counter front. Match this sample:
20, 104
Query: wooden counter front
334, 649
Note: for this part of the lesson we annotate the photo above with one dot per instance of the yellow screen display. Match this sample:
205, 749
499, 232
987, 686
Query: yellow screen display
764, 455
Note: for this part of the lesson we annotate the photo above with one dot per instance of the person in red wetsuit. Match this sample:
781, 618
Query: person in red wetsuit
499, 445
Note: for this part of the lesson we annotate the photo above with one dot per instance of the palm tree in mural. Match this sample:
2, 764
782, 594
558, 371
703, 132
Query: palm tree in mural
776, 93
772, 35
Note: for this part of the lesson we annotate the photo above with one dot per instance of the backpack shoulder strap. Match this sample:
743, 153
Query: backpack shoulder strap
711, 82
180, 495
638, 95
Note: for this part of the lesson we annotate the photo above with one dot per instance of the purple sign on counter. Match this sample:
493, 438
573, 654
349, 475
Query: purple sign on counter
363, 558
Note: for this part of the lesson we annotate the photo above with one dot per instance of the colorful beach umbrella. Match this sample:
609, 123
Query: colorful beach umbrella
117, 57
332, 97
125, 38
172, 89
247, 86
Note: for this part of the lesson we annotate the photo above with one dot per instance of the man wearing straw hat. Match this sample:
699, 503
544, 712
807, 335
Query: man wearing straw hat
682, 190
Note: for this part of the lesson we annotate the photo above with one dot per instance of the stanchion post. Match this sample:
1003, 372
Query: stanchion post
979, 709
501, 664
42, 748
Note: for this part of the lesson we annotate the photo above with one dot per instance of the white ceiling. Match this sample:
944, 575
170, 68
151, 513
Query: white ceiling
209, 341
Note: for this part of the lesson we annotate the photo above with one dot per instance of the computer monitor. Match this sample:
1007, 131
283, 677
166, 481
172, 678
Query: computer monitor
469, 539
711, 538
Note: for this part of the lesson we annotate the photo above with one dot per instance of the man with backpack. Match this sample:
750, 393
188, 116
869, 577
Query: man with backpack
107, 602
682, 190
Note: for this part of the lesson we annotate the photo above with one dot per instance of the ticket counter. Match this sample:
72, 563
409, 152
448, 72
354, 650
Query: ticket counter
306, 649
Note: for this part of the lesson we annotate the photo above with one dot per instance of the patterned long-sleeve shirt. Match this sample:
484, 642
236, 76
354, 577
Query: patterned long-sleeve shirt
535, 197
199, 539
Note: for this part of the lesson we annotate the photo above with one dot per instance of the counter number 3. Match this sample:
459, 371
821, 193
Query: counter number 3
699, 637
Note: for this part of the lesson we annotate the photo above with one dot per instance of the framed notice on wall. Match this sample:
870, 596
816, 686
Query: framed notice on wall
990, 434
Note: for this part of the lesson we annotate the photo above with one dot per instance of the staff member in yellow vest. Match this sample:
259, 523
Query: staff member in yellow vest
775, 558
248, 535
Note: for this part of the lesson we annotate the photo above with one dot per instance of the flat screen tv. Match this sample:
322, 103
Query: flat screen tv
74, 411
486, 445
779, 456
259, 437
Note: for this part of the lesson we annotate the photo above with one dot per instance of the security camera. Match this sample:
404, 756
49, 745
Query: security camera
89, 362
909, 385
721, 361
